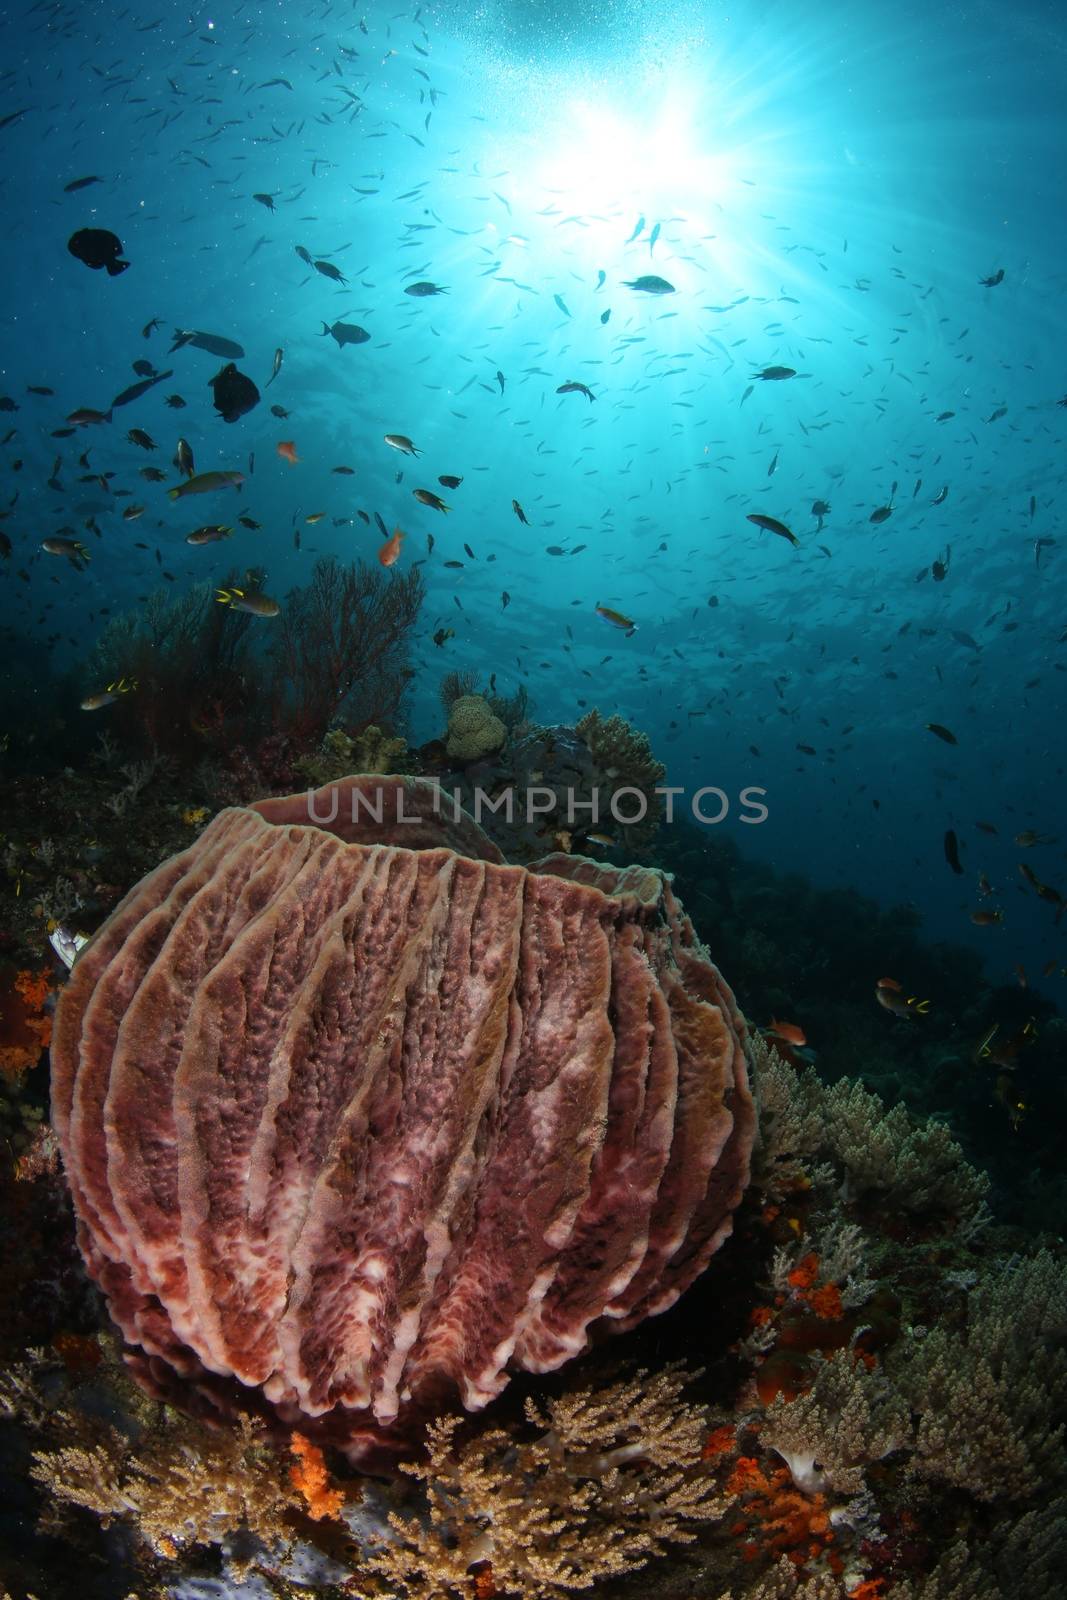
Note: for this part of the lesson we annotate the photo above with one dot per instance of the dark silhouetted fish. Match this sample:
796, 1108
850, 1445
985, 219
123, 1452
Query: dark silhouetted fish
98, 247
345, 333
234, 393
136, 390
227, 349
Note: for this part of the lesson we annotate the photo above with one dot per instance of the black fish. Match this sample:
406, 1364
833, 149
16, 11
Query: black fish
98, 247
226, 349
991, 282
345, 333
80, 183
234, 393
952, 851
136, 390
328, 270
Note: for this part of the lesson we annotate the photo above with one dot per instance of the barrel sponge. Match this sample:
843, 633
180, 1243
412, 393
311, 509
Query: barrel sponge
356, 1117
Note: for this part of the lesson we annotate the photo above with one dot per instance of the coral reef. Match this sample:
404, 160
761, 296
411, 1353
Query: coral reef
340, 754
285, 1023
25, 1025
552, 788
473, 730
609, 1480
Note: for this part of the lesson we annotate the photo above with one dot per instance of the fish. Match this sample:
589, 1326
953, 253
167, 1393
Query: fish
505, 600
820, 509
345, 472
253, 601
136, 390
986, 919
942, 733
401, 442
277, 367
952, 851
775, 374
520, 513
98, 247
287, 450
422, 290
143, 440
940, 497
638, 229
449, 481
74, 550
427, 497
279, 411
206, 483
85, 416
183, 458
108, 696
890, 995
772, 525
79, 183
210, 533
1039, 545
389, 552
653, 236
789, 1031
442, 636
571, 387
265, 200
1028, 838
601, 279
992, 281
175, 402
500, 380
131, 513
249, 522
213, 343
328, 270
615, 619
964, 639
152, 474
649, 284
234, 393
345, 333
561, 303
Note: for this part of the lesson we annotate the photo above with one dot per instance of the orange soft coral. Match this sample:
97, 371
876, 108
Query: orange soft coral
826, 1302
312, 1479
25, 1027
804, 1274
719, 1443
777, 1518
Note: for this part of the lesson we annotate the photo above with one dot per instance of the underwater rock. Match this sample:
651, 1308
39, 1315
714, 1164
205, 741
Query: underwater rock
359, 1116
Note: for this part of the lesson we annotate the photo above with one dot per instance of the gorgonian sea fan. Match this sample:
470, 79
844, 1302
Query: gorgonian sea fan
356, 1117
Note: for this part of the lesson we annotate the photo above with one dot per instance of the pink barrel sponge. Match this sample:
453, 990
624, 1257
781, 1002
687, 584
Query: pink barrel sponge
356, 1117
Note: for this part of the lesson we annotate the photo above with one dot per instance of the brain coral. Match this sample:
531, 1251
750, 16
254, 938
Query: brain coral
473, 728
356, 1116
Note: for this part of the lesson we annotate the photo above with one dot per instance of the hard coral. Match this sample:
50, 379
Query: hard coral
473, 730
360, 1120
626, 757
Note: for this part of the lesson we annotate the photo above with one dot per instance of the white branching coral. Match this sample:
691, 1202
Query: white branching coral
611, 1478
917, 1167
992, 1397
849, 1418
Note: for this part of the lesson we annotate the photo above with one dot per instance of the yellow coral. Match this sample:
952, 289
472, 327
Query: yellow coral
473, 729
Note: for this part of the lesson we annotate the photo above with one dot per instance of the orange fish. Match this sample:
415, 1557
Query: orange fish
390, 550
787, 1031
287, 451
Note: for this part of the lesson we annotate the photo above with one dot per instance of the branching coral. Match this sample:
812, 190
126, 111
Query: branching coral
627, 760
849, 1418
610, 1479
992, 1398
918, 1169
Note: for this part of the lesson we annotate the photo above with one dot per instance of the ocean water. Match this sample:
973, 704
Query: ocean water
824, 189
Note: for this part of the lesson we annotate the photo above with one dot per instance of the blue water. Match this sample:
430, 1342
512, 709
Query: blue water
829, 186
